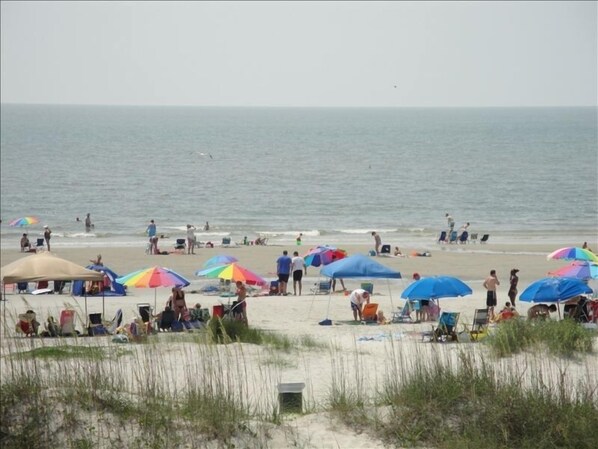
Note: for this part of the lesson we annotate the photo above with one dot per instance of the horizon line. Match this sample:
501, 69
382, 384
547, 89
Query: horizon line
297, 107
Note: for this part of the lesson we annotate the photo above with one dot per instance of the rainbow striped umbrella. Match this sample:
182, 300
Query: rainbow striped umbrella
573, 253
232, 272
577, 269
323, 255
24, 221
153, 277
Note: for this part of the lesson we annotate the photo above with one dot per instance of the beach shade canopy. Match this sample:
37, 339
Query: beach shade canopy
323, 255
358, 266
554, 289
232, 272
436, 287
45, 266
221, 259
573, 253
153, 277
577, 269
24, 221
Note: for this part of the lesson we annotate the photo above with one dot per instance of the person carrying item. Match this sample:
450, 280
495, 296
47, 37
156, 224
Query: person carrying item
47, 235
358, 298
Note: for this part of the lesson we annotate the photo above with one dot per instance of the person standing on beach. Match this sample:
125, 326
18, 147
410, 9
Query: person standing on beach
297, 268
190, 239
47, 235
490, 284
358, 298
206, 227
88, 224
377, 242
513, 280
283, 269
153, 239
298, 239
450, 222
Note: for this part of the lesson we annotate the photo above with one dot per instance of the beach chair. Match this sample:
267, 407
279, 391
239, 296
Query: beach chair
115, 323
40, 245
145, 312
22, 287
442, 237
484, 238
96, 325
180, 245
368, 287
479, 327
474, 237
369, 314
463, 237
446, 329
453, 237
385, 250
67, 323
226, 241
403, 314
322, 288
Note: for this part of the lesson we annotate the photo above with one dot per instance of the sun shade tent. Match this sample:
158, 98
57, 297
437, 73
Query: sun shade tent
358, 266
47, 267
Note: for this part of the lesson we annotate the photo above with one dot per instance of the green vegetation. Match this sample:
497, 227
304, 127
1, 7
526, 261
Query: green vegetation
565, 337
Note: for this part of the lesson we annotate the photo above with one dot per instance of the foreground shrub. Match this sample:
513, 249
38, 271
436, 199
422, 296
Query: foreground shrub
467, 407
564, 337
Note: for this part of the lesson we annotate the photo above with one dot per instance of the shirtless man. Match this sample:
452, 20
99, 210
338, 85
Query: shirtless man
541, 311
490, 284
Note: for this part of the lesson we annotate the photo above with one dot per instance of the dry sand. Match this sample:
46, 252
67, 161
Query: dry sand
351, 345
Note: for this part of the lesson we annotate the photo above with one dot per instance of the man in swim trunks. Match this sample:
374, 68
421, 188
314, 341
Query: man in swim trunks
490, 284
283, 270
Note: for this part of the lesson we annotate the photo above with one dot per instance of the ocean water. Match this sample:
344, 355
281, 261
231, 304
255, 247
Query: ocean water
334, 174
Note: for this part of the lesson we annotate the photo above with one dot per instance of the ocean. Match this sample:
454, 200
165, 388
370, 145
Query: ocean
334, 174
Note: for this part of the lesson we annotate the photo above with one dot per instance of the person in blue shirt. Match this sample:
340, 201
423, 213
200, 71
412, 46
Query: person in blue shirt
283, 269
151, 232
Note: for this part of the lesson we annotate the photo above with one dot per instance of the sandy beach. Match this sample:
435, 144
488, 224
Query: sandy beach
298, 316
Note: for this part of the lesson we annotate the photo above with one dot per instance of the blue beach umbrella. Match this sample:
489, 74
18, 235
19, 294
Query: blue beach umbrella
436, 287
554, 289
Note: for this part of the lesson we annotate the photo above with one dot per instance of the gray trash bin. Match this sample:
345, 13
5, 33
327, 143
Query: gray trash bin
290, 397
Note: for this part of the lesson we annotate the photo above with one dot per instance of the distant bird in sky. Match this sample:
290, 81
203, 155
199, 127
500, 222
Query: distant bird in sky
204, 154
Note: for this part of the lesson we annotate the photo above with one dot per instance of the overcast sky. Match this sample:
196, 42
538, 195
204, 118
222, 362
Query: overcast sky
300, 53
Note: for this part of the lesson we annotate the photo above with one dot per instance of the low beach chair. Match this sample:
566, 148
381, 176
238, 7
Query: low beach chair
453, 237
442, 237
369, 314
484, 238
474, 237
479, 327
368, 287
446, 329
403, 315
463, 237
180, 245
322, 288
96, 325
67, 323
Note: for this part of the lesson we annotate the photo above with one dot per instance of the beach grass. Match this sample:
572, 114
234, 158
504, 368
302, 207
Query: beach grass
191, 390
563, 338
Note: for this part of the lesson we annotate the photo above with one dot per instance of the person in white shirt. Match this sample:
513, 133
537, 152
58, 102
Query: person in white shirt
297, 268
359, 297
190, 239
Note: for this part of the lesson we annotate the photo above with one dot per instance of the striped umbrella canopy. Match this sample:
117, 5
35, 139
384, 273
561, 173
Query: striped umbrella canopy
221, 259
323, 255
23, 221
232, 272
577, 269
573, 253
153, 277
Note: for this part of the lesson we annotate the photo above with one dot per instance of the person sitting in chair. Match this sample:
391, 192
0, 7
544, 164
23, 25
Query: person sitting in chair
25, 244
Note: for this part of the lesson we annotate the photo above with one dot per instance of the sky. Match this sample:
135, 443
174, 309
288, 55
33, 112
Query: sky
300, 54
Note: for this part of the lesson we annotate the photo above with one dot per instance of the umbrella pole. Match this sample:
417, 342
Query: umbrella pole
103, 304
86, 316
558, 307
155, 299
